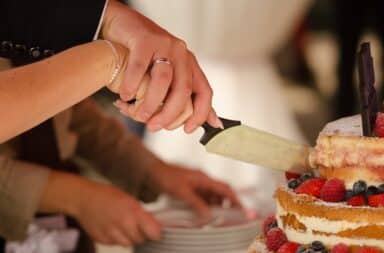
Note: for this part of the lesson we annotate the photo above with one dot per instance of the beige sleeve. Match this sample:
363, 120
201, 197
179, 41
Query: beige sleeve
118, 153
21, 185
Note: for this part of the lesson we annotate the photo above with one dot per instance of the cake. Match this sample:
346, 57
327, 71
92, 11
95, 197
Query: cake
340, 207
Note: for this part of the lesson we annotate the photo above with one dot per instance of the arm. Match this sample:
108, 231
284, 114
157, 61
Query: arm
21, 185
47, 87
118, 153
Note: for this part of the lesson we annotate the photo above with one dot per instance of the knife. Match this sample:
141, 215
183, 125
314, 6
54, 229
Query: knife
254, 146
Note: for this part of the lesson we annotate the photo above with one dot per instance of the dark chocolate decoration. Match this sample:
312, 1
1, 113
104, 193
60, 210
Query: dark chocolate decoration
210, 132
368, 98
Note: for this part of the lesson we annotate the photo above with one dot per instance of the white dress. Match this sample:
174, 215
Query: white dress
234, 42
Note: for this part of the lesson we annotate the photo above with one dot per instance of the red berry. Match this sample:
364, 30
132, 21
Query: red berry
288, 247
368, 250
275, 238
289, 175
376, 200
340, 248
379, 126
311, 187
333, 190
358, 200
269, 222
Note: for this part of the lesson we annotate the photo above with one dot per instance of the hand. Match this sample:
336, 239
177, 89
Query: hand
172, 84
192, 186
107, 214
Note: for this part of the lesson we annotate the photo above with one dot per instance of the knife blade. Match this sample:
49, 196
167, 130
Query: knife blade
254, 146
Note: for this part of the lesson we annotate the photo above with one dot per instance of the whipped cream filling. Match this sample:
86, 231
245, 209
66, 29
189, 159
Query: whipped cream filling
308, 237
321, 224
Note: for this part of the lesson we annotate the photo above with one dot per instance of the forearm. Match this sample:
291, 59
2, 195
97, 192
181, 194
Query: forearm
35, 92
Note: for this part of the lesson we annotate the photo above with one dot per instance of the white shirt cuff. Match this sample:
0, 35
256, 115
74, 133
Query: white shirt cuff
101, 21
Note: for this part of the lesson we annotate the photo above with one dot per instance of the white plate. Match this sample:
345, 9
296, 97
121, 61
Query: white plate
187, 222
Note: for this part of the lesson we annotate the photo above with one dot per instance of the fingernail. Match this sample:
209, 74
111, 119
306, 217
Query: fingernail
117, 103
126, 96
190, 128
219, 123
155, 127
144, 116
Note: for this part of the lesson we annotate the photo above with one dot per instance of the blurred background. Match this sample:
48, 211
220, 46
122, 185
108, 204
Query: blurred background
286, 67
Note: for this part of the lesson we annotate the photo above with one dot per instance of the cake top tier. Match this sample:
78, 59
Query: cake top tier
348, 126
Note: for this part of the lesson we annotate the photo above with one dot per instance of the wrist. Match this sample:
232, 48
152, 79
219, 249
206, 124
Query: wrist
64, 193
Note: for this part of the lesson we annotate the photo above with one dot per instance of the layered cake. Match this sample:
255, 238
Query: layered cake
340, 207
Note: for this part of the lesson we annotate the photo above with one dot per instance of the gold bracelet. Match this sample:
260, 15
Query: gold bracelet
117, 67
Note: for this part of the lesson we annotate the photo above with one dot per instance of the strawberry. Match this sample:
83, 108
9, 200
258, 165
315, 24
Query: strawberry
379, 126
311, 187
288, 247
358, 200
340, 248
376, 200
333, 190
269, 223
368, 250
289, 175
275, 239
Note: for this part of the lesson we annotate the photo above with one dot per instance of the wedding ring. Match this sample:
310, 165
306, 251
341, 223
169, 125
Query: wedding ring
161, 60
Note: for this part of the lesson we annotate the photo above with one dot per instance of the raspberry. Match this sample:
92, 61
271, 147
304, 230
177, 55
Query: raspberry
275, 239
376, 200
340, 248
269, 223
333, 190
379, 126
289, 175
356, 201
311, 187
368, 250
288, 247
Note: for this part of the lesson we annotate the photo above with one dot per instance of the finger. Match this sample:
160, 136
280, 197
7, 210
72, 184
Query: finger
213, 120
161, 77
225, 191
179, 94
130, 228
125, 108
139, 59
118, 237
150, 228
195, 201
188, 111
202, 98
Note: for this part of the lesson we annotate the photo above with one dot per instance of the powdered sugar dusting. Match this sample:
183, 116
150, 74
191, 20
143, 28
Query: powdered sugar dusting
348, 126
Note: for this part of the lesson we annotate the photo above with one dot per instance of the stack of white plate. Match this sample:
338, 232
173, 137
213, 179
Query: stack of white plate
227, 231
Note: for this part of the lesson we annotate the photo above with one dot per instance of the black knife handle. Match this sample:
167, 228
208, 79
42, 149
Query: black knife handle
210, 132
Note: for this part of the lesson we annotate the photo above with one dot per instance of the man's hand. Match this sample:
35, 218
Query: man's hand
109, 215
192, 186
172, 86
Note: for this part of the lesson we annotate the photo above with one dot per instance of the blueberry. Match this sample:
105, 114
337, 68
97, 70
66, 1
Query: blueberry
325, 250
381, 189
372, 190
349, 194
360, 187
272, 225
293, 183
317, 246
301, 249
306, 176
309, 250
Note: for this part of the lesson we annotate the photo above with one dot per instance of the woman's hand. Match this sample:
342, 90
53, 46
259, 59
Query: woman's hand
173, 87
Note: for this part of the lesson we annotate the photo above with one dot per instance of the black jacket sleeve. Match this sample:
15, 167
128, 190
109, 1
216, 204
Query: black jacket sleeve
39, 28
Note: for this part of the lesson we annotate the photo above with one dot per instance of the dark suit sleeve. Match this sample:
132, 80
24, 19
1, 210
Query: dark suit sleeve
46, 25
